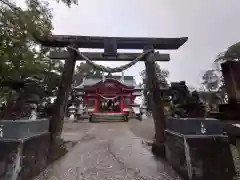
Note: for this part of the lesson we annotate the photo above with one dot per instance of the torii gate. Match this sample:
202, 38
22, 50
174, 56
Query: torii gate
110, 46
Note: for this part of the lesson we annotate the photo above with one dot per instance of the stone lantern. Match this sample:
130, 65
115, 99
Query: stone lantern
72, 112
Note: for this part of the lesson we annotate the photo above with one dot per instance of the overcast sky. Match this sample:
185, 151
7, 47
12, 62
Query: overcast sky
210, 25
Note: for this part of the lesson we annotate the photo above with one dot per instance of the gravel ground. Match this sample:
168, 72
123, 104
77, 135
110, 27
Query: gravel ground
236, 161
143, 129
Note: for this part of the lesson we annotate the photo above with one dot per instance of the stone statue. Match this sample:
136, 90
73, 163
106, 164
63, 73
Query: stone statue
184, 103
33, 115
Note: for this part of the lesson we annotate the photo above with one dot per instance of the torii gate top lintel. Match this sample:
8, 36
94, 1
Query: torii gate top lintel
98, 42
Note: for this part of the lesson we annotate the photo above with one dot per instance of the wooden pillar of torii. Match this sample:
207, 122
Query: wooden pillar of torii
110, 46
56, 122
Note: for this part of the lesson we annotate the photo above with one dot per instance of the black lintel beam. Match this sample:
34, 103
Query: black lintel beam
97, 42
96, 56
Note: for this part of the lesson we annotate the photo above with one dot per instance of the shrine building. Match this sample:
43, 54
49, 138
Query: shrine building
110, 94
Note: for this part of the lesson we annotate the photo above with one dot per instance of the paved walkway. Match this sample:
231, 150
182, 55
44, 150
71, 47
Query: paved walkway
106, 151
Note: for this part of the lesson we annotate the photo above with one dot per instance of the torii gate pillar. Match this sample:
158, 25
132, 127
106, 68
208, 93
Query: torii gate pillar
153, 86
56, 122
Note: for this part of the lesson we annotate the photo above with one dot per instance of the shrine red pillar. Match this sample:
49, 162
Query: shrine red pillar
121, 104
132, 99
97, 103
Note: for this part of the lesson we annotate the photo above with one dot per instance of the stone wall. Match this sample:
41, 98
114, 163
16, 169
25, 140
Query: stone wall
22, 159
200, 157
9, 151
211, 157
24, 148
21, 129
175, 153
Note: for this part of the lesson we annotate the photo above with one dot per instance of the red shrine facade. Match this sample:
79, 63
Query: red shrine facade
114, 94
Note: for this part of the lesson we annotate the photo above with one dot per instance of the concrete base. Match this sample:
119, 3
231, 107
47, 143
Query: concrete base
200, 157
238, 146
158, 149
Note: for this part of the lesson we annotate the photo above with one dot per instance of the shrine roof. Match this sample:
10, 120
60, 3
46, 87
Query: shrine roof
128, 81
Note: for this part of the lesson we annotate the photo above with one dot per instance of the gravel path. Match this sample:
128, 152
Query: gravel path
236, 161
107, 151
143, 129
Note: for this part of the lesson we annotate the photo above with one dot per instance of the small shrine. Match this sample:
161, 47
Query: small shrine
108, 95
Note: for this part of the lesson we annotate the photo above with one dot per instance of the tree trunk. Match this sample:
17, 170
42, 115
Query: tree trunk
157, 105
56, 122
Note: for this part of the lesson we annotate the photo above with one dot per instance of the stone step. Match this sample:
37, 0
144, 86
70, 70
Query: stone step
110, 116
